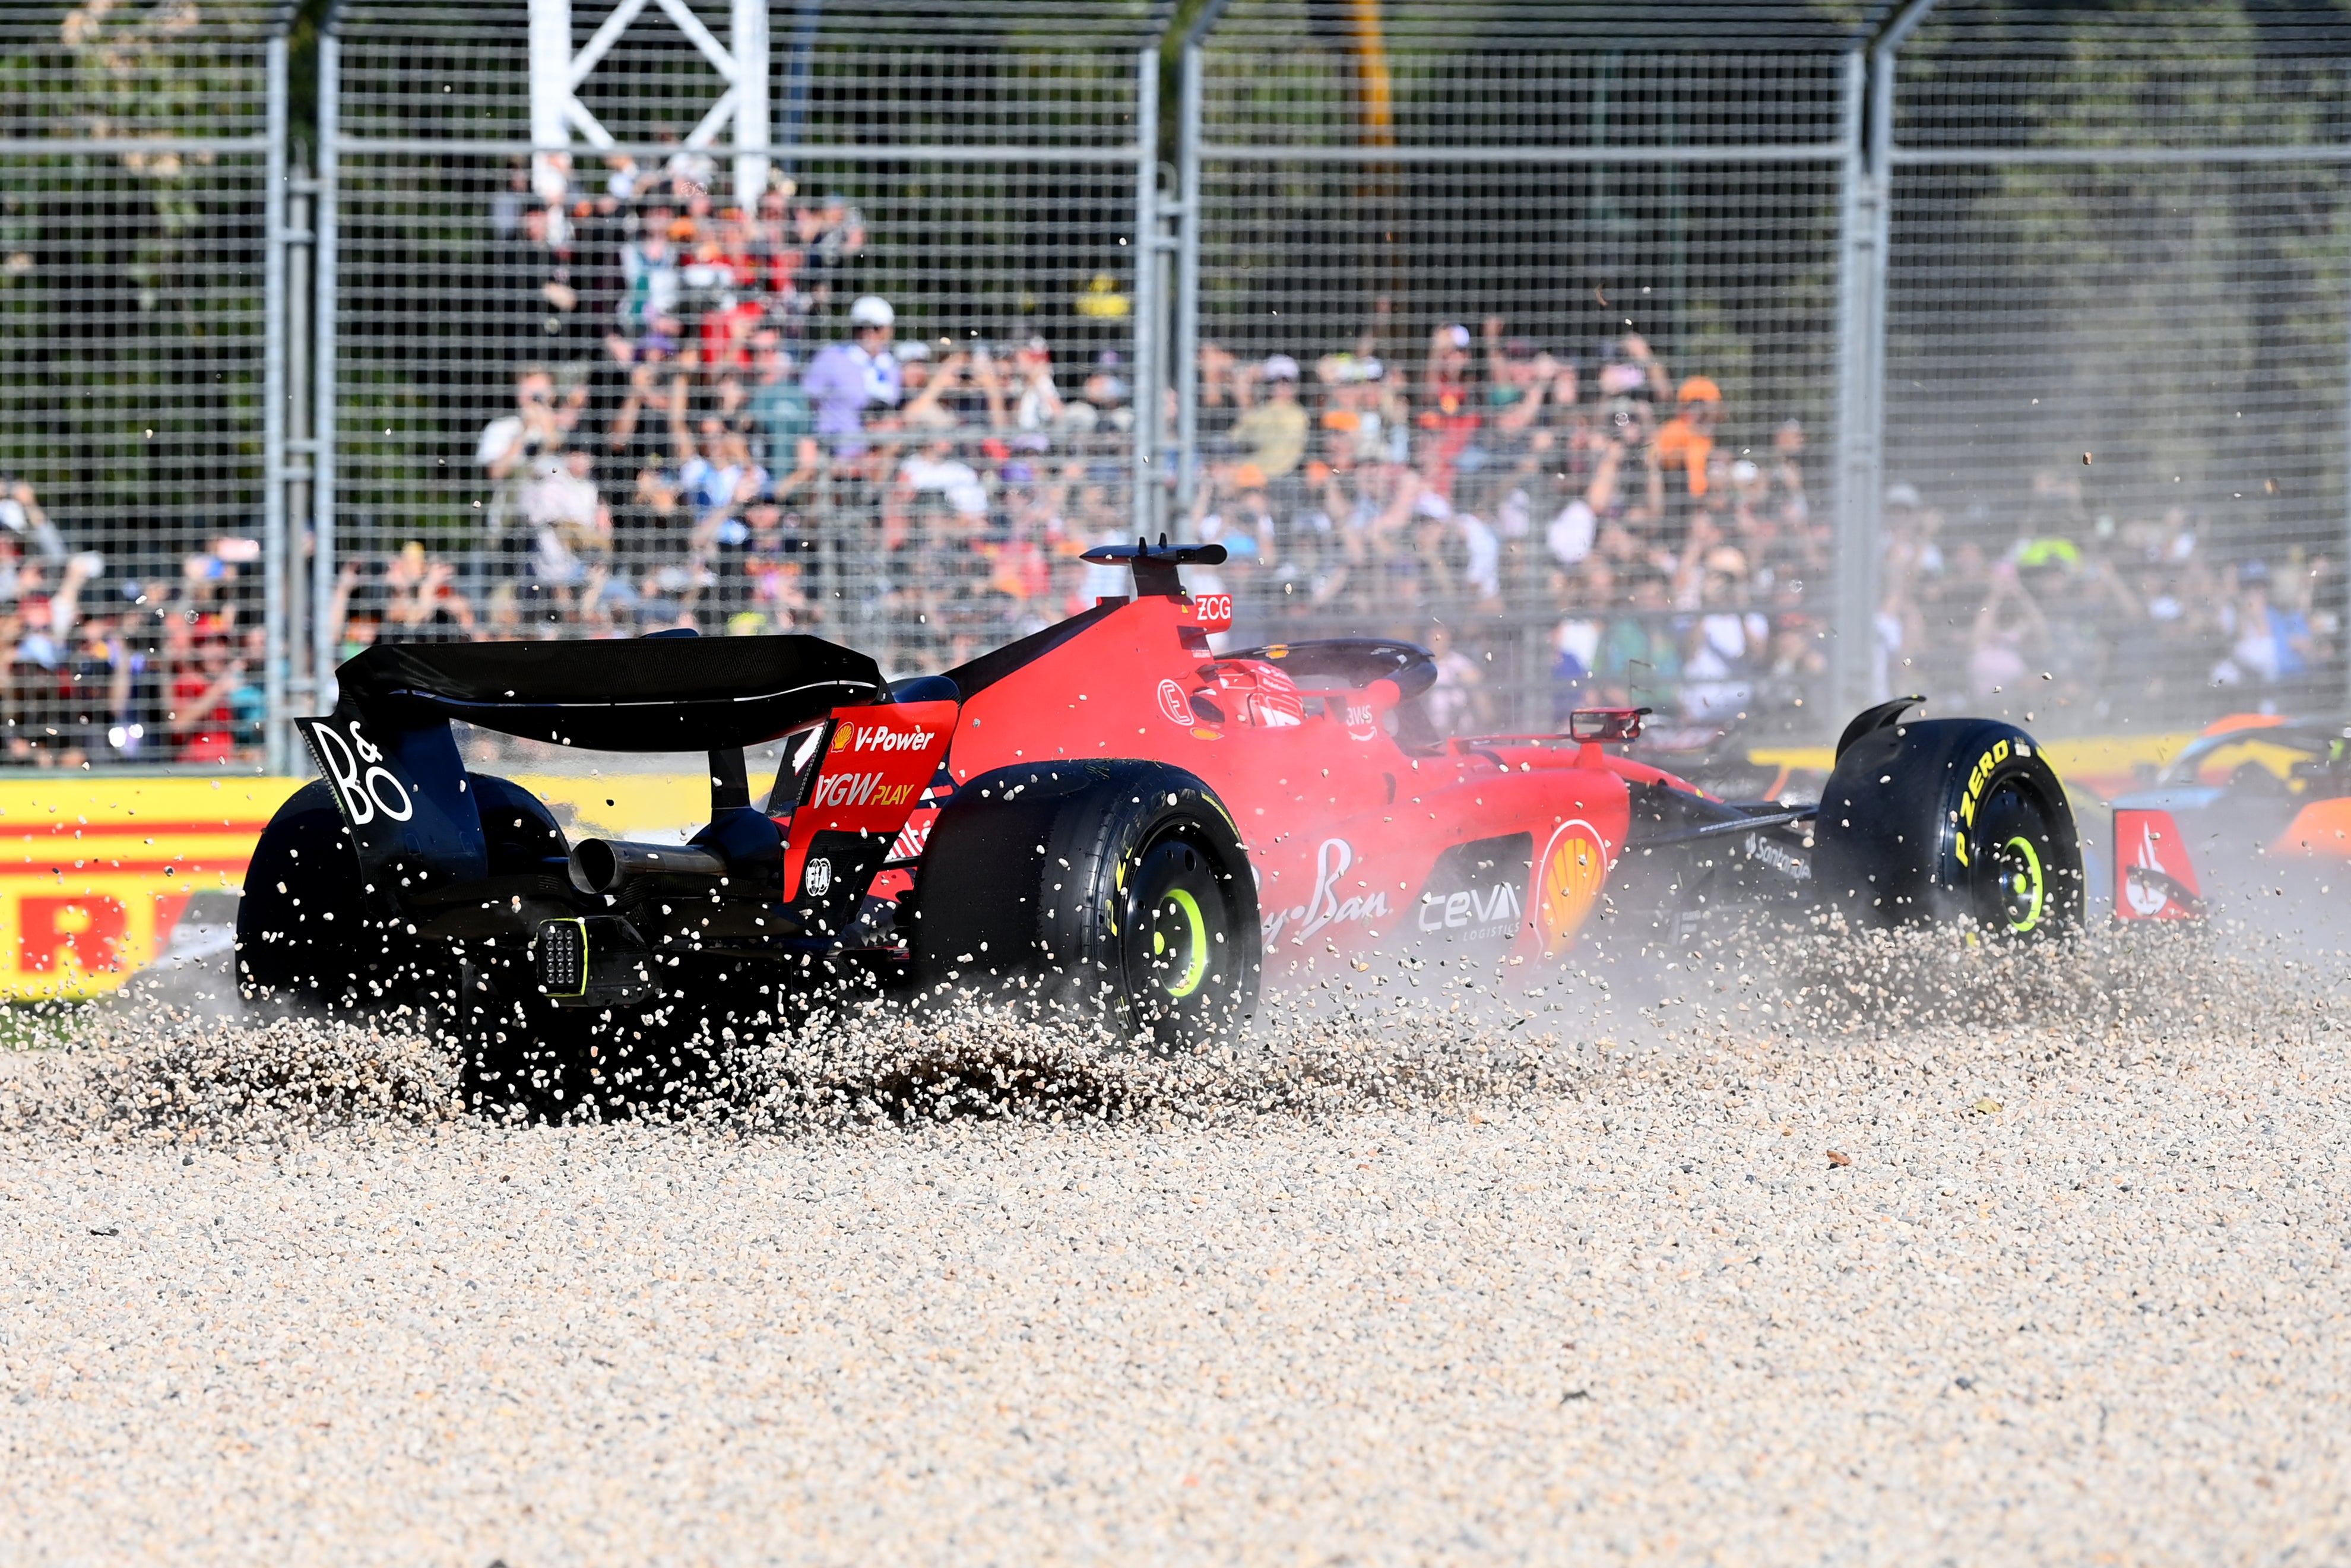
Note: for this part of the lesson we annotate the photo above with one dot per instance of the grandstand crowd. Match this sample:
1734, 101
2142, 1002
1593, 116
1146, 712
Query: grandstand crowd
713, 424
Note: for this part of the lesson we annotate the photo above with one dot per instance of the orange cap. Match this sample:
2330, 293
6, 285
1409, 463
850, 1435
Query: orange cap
1701, 389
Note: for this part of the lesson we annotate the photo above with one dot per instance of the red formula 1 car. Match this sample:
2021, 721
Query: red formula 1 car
1107, 813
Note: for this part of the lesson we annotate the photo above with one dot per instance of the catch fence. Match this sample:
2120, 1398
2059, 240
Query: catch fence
2116, 360
1749, 362
1541, 257
136, 145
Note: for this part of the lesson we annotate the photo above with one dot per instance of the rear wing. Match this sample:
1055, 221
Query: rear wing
661, 693
392, 762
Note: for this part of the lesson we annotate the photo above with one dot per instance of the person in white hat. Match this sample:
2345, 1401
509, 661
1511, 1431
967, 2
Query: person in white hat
846, 379
1273, 433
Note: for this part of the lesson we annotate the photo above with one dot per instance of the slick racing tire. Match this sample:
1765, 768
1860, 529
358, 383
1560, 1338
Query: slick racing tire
1118, 888
1949, 821
304, 934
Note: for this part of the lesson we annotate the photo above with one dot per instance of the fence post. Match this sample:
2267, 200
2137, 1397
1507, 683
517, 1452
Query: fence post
1860, 284
1868, 241
1146, 308
1187, 284
746, 38
301, 452
276, 558
324, 631
550, 93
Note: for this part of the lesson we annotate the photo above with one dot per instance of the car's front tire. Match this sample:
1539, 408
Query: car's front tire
1949, 821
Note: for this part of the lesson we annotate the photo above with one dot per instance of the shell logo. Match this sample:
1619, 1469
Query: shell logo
1568, 881
842, 737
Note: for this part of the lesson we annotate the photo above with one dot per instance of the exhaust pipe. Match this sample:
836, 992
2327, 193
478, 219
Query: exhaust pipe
610, 865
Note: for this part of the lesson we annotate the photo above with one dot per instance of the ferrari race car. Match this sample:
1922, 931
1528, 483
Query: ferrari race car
1107, 815
2253, 802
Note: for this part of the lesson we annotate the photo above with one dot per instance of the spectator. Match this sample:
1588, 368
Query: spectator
779, 412
776, 257
1243, 523
1727, 645
778, 405
2009, 630
28, 528
1036, 402
543, 314
840, 234
98, 676
570, 527
934, 471
1576, 637
1272, 435
1219, 400
634, 442
1569, 535
1456, 701
1452, 416
422, 603
538, 426
653, 280
206, 675
1103, 404
1643, 657
963, 393
1687, 441
1454, 549
844, 380
2268, 645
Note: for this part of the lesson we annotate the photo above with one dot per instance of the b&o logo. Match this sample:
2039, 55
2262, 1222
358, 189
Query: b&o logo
355, 767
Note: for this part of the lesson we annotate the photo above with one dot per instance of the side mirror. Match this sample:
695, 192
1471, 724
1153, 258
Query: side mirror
1597, 725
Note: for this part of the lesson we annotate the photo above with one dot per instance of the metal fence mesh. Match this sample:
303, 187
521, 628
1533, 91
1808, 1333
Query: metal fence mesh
599, 416
2116, 363
1518, 331
1527, 353
131, 168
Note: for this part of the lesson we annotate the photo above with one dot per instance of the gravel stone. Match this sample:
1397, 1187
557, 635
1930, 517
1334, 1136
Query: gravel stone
1828, 1250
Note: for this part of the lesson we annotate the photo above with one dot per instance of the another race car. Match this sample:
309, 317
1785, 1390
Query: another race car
2252, 803
1107, 814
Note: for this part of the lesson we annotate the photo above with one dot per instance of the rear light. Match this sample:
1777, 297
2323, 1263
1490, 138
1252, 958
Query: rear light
563, 957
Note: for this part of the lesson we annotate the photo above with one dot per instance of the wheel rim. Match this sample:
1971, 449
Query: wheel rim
1177, 916
2012, 888
1185, 955
2025, 886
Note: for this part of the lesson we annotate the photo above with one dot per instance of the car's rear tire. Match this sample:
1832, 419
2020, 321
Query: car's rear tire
1949, 821
304, 934
1120, 888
